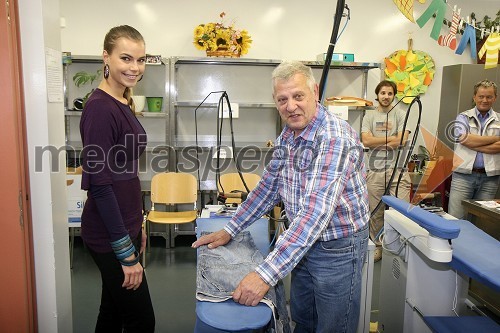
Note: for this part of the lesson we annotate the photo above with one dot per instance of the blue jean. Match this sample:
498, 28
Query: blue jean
220, 270
325, 291
476, 186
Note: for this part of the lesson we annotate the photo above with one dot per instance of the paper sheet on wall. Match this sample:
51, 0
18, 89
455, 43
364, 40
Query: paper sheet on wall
54, 71
340, 111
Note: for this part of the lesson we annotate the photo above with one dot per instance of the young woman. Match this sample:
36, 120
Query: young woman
113, 139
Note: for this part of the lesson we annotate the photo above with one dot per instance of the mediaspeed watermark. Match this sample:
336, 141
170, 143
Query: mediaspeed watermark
190, 159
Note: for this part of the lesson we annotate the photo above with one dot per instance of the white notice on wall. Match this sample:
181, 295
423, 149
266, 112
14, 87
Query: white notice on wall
340, 111
54, 71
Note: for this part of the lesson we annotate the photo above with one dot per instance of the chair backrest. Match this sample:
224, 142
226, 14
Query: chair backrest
174, 188
232, 181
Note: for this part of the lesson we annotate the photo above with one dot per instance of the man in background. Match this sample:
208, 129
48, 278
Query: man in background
477, 160
381, 133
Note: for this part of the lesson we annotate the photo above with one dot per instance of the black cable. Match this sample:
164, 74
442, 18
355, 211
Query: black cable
331, 47
219, 141
196, 139
388, 185
414, 139
233, 144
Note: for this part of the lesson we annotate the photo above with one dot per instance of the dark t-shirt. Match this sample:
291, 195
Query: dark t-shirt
113, 139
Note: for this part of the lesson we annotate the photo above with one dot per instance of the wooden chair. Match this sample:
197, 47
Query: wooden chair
231, 186
172, 189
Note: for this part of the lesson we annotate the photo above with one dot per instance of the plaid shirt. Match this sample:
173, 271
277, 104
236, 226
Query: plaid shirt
320, 177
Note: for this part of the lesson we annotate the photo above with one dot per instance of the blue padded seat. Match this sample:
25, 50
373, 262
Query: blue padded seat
436, 225
228, 317
476, 254
465, 324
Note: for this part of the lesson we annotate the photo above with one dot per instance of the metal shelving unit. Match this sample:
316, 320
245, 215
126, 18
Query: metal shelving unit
248, 83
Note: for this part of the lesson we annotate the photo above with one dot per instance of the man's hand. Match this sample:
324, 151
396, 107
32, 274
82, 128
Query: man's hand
213, 240
250, 290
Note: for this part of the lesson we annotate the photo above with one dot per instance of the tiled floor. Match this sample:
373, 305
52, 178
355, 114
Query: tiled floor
171, 276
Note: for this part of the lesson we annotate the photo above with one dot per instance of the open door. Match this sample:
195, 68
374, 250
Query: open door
17, 305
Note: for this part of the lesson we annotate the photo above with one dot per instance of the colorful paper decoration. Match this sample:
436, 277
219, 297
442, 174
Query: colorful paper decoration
437, 7
491, 48
469, 36
412, 71
450, 39
406, 7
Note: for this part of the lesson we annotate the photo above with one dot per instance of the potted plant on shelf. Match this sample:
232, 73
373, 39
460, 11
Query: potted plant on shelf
221, 40
81, 79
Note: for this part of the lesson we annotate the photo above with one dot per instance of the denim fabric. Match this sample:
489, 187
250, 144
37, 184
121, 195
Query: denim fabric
220, 270
476, 186
325, 292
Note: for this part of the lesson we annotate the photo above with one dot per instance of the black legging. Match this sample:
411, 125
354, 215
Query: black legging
124, 310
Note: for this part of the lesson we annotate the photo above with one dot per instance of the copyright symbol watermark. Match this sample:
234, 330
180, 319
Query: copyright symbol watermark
455, 130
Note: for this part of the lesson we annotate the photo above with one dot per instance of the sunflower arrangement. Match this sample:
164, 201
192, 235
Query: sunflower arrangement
217, 39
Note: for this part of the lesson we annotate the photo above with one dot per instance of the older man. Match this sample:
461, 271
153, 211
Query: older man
477, 159
317, 170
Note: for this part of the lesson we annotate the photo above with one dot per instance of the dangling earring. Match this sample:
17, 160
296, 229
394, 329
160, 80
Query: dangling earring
106, 71
140, 78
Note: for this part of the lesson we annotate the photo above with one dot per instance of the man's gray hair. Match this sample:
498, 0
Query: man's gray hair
485, 84
287, 69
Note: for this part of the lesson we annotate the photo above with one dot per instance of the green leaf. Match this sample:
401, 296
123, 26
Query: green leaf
418, 67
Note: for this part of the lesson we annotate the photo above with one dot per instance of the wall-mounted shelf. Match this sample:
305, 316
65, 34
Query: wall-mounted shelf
214, 105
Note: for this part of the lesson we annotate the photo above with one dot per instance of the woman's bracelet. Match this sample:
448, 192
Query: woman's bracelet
131, 262
123, 248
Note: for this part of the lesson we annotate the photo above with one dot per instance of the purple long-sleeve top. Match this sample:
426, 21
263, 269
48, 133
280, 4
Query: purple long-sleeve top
113, 140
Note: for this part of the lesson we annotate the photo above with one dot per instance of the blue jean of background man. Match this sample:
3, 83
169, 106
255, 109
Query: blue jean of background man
477, 186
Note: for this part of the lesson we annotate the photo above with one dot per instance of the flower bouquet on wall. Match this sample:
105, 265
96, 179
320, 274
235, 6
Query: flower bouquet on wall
219, 40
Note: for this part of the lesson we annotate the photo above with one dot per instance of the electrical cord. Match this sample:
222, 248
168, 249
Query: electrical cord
416, 99
331, 47
281, 226
219, 140
403, 241
196, 139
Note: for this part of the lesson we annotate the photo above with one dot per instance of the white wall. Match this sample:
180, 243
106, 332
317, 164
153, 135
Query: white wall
39, 20
280, 29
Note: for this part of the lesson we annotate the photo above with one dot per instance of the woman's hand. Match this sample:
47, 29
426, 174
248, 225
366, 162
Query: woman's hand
133, 275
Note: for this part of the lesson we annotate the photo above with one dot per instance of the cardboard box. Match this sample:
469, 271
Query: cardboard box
76, 198
337, 57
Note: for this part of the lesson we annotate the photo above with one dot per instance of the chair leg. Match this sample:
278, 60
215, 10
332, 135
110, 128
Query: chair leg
172, 235
167, 236
148, 230
144, 259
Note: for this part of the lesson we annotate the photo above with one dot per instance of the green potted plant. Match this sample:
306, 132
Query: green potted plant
83, 78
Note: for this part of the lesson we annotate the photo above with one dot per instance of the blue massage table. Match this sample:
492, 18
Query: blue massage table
426, 266
229, 316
